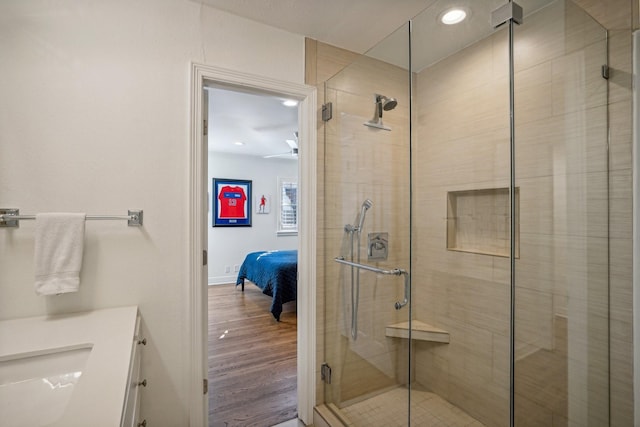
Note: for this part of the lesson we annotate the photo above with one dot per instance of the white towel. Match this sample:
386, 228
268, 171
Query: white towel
58, 254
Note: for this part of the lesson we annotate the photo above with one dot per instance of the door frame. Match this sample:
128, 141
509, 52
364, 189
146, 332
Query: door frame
196, 368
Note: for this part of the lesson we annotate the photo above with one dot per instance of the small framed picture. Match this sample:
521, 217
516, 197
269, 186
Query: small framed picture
231, 202
263, 203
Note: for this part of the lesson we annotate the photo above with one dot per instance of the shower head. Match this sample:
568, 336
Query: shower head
366, 205
383, 103
388, 104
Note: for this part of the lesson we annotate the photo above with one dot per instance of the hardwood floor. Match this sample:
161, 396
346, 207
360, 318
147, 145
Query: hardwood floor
252, 359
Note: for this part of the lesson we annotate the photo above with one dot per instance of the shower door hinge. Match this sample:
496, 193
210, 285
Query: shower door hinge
325, 373
205, 127
205, 386
505, 13
605, 72
327, 112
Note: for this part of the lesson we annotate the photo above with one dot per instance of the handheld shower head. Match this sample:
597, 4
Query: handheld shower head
366, 205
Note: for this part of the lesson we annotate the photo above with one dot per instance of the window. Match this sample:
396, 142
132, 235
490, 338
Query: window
287, 205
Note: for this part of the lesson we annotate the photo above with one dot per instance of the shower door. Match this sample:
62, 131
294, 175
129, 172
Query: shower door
461, 252
561, 168
367, 201
548, 263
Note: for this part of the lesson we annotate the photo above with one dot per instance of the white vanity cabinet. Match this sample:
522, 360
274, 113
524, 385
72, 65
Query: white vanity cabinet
135, 382
100, 347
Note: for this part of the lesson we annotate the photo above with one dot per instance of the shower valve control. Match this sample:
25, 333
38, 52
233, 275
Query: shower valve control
377, 246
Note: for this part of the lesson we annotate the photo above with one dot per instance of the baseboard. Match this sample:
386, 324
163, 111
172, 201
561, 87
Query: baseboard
222, 280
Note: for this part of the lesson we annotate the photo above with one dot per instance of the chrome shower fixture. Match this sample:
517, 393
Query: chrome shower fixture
383, 103
388, 104
355, 233
366, 205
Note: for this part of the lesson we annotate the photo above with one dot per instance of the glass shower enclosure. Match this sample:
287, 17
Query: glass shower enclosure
466, 222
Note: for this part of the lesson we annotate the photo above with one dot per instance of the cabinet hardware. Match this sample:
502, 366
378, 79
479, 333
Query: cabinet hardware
143, 341
143, 383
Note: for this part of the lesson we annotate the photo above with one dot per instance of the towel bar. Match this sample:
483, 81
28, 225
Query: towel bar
10, 218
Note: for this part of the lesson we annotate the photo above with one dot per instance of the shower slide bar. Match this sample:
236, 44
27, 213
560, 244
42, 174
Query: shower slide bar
395, 272
10, 218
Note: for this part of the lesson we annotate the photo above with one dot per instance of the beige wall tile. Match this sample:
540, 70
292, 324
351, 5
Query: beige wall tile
621, 135
612, 14
364, 163
561, 164
622, 383
620, 82
330, 61
577, 82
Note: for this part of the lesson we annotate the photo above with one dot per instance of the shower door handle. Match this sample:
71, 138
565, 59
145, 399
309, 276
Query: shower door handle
395, 272
407, 289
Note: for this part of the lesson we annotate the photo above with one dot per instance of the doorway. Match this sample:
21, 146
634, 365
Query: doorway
252, 140
204, 76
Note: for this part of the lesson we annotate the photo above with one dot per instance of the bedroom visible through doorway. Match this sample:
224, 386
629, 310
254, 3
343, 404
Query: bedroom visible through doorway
252, 140
252, 359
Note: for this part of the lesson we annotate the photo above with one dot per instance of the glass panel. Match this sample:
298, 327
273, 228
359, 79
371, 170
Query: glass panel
461, 230
561, 359
366, 208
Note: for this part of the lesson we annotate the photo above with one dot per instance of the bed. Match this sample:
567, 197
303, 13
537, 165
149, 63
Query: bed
275, 272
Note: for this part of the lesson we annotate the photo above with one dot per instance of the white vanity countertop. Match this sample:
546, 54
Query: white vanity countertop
99, 395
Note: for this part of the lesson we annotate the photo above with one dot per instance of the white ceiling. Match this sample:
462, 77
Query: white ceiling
356, 25
431, 40
375, 27
259, 121
359, 25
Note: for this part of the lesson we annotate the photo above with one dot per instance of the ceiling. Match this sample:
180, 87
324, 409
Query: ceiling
356, 25
375, 27
359, 25
261, 122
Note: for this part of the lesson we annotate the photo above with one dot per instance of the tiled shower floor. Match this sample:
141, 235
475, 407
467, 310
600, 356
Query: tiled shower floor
390, 410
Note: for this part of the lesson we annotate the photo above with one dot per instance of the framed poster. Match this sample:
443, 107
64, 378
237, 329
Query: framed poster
231, 203
263, 203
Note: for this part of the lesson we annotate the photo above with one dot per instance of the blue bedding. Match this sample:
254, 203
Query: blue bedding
275, 272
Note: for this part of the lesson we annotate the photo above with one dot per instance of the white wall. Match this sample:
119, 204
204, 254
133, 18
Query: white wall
229, 245
94, 117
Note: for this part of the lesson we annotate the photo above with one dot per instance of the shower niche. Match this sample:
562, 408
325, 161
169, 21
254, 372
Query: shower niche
478, 221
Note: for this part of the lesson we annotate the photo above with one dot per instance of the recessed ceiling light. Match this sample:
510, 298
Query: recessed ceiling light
453, 16
238, 143
290, 103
